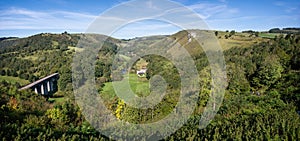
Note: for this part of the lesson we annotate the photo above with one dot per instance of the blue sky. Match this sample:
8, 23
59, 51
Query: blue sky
23, 18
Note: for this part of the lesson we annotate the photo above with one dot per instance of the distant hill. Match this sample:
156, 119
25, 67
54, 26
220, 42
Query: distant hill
7, 38
285, 30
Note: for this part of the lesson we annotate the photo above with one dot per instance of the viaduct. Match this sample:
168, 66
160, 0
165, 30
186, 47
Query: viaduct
45, 86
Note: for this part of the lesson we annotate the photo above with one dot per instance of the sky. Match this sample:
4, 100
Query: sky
22, 18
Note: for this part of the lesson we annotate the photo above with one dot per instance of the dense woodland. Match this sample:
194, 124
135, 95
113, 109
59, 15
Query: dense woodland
261, 100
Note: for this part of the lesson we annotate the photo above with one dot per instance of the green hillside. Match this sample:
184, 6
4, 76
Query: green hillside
261, 99
14, 80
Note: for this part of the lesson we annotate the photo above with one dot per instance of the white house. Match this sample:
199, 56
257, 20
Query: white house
141, 72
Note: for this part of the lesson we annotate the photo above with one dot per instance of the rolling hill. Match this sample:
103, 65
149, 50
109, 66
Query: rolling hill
260, 103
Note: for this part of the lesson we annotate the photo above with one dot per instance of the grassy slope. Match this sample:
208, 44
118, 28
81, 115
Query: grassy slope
76, 49
141, 64
57, 99
139, 86
238, 40
268, 35
13, 80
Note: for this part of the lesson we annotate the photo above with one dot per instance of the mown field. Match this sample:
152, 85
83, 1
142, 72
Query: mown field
139, 86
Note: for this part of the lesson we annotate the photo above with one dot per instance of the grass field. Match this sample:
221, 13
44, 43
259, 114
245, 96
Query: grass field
141, 64
57, 100
238, 39
75, 48
13, 80
241, 40
32, 58
140, 86
268, 35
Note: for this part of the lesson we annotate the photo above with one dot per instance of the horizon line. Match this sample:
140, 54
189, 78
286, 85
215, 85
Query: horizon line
222, 30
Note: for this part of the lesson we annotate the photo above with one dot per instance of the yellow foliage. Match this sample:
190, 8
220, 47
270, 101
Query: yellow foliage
13, 103
54, 113
120, 108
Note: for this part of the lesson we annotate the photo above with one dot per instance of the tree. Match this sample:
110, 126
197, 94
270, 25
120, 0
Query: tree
269, 72
226, 36
2, 72
274, 30
65, 78
232, 32
288, 36
237, 79
216, 33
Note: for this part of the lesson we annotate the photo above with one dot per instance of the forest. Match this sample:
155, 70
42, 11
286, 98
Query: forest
261, 102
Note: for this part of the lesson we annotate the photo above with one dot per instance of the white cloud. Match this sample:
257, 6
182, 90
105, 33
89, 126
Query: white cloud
22, 12
151, 5
145, 28
288, 7
211, 10
24, 19
259, 23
